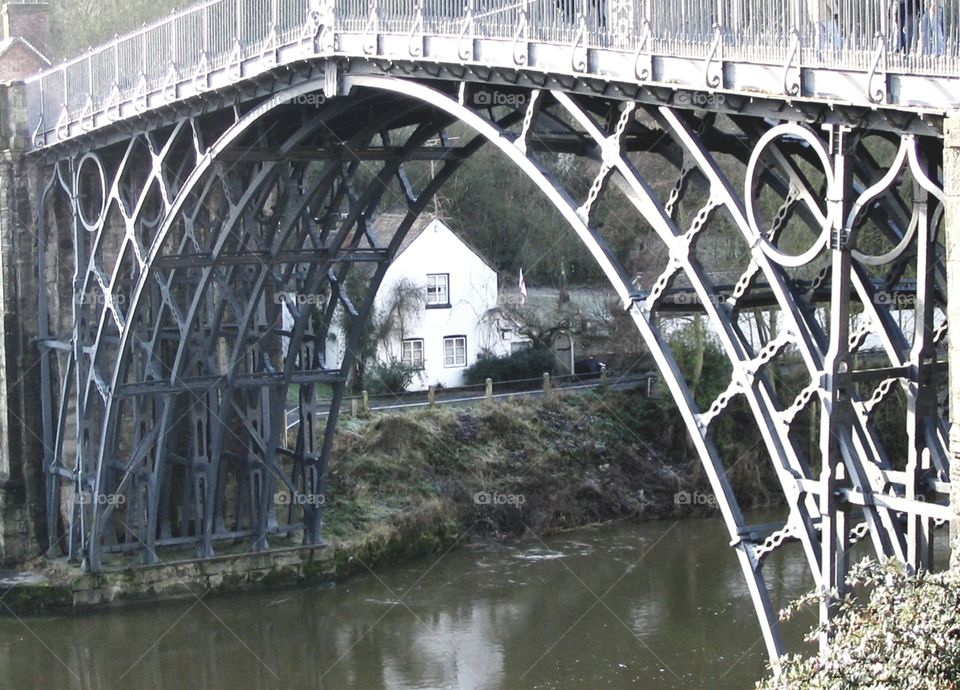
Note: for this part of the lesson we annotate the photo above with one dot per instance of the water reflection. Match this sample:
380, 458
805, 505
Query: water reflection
657, 605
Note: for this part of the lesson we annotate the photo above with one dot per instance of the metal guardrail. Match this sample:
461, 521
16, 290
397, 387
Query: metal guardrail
905, 36
503, 390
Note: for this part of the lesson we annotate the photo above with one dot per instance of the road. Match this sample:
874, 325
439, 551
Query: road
462, 397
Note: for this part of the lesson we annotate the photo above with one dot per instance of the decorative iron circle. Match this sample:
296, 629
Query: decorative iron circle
750, 194
90, 210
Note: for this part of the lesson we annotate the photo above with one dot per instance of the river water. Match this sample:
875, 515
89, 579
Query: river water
652, 605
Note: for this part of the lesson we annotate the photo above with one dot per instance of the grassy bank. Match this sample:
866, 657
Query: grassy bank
510, 469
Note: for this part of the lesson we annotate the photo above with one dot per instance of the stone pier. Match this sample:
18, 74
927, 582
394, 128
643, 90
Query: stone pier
24, 46
22, 532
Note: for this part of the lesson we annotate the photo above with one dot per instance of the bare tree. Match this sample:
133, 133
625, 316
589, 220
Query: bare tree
402, 306
542, 328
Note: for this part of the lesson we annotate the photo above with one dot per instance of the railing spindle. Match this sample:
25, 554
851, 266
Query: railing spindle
841, 33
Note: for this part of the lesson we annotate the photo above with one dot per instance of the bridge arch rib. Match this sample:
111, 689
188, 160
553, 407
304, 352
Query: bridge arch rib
160, 382
852, 462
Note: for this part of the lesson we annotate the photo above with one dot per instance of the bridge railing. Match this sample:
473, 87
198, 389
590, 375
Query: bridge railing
908, 36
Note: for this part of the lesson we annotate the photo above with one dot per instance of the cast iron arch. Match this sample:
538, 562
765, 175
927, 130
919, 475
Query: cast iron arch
813, 519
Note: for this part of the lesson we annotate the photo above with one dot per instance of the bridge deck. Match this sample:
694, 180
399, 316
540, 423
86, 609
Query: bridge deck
803, 53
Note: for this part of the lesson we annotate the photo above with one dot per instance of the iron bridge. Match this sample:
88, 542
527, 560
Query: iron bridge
191, 172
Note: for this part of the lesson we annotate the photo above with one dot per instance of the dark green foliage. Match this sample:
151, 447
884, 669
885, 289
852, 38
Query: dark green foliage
518, 366
890, 423
734, 432
502, 213
393, 377
704, 365
707, 372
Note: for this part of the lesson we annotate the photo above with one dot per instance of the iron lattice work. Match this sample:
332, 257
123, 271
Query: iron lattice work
172, 367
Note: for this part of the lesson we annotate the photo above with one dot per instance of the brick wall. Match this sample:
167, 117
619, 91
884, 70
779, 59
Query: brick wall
19, 62
28, 21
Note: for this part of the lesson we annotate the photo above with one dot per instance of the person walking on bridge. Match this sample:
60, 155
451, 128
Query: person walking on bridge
906, 20
826, 25
931, 29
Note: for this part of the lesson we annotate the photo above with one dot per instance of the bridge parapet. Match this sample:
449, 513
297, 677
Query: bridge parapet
847, 52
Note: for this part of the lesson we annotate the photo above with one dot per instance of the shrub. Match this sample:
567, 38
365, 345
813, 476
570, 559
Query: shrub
393, 377
905, 635
525, 364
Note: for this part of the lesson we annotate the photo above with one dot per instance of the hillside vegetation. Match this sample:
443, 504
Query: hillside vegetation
80, 24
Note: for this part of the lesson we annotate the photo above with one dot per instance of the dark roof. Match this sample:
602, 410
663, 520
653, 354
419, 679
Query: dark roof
384, 226
7, 43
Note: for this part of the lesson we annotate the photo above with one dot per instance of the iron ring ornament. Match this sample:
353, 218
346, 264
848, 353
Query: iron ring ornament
99, 177
754, 172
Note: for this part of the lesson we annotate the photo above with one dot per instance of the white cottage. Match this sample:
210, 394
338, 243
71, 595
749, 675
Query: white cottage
449, 323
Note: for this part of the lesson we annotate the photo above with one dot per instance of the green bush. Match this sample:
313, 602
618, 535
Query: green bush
524, 364
902, 632
707, 371
393, 377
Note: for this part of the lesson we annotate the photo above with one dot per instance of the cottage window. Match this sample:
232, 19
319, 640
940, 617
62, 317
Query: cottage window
438, 290
412, 355
455, 351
